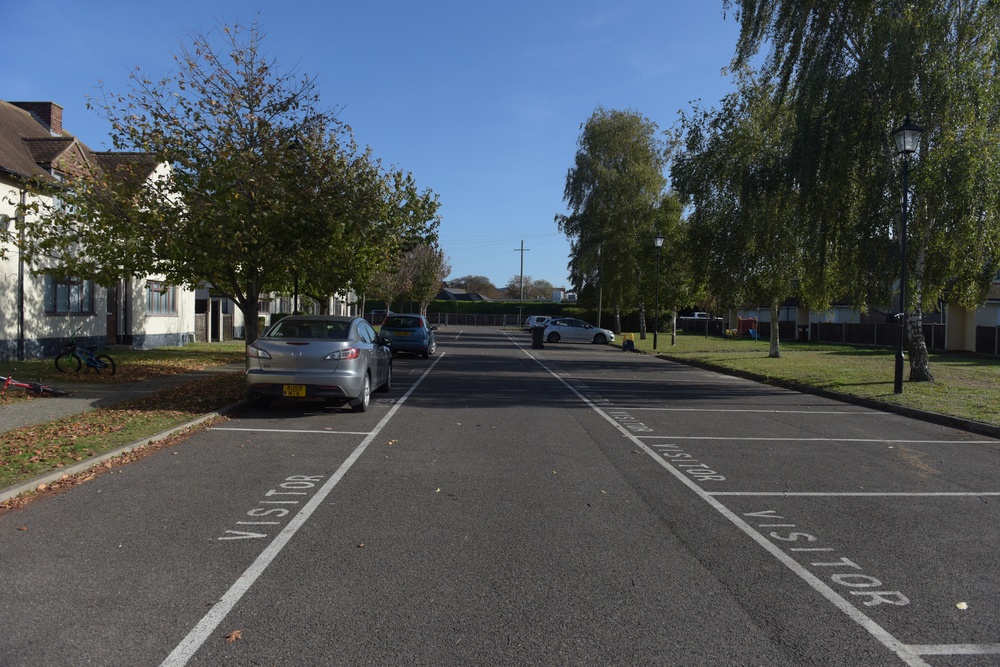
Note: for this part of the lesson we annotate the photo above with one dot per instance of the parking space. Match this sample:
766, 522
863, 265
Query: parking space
503, 505
891, 520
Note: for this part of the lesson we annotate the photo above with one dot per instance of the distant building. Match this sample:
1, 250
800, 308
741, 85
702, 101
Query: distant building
456, 294
39, 307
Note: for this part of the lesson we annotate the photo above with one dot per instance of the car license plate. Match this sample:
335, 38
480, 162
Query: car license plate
401, 333
294, 390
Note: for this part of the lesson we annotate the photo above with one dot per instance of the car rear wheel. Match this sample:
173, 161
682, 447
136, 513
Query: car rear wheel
600, 339
361, 403
553, 337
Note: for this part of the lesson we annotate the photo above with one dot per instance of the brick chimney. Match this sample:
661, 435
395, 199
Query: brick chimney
48, 114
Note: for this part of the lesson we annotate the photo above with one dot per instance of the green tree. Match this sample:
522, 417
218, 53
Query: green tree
476, 285
262, 184
533, 288
430, 267
850, 71
612, 192
734, 172
678, 283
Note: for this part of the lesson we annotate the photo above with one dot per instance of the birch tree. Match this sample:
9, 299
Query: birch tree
612, 192
734, 172
851, 71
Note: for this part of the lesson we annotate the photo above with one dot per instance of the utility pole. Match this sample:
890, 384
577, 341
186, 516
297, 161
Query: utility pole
520, 306
600, 283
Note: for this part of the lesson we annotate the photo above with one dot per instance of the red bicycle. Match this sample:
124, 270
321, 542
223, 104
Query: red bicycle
33, 387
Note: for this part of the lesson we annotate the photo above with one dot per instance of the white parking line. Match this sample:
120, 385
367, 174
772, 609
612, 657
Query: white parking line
858, 494
907, 442
955, 649
764, 410
288, 430
208, 624
722, 379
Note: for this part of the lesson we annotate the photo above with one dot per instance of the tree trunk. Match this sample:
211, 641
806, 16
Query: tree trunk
775, 350
618, 320
642, 321
251, 312
247, 299
673, 327
920, 362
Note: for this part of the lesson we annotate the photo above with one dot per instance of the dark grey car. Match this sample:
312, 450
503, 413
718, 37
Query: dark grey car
337, 359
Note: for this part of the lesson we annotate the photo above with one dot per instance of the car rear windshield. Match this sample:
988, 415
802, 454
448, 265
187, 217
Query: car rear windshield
403, 322
300, 329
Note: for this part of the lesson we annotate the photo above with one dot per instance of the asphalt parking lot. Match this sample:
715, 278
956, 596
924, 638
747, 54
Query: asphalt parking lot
506, 505
882, 516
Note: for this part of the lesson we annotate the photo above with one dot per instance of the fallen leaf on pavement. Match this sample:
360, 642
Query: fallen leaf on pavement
233, 636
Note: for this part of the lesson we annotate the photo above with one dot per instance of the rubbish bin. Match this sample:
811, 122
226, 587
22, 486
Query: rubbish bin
628, 343
537, 338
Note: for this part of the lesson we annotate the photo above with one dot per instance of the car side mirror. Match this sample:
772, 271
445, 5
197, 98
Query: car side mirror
434, 327
385, 341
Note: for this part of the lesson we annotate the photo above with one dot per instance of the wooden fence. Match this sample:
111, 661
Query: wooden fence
988, 340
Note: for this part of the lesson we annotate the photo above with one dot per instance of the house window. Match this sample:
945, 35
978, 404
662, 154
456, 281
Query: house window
161, 298
68, 296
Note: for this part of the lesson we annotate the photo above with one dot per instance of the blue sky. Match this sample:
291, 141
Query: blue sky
482, 101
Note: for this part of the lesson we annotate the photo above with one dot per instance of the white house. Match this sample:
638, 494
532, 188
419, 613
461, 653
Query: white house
38, 312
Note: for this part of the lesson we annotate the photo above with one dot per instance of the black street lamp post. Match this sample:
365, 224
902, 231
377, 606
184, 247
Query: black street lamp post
907, 139
658, 242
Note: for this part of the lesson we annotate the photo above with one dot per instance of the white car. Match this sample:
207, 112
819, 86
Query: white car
535, 321
573, 330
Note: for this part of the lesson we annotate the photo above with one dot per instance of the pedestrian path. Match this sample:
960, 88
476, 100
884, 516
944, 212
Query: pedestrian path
84, 397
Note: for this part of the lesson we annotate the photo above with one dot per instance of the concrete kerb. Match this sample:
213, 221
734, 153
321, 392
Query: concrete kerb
83, 466
969, 425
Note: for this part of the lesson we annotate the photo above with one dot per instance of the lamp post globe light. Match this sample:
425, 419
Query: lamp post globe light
658, 242
907, 138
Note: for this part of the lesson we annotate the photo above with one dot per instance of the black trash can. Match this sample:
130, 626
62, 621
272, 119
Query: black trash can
537, 338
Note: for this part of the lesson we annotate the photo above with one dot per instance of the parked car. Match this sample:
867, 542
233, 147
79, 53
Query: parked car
535, 321
409, 333
337, 359
571, 329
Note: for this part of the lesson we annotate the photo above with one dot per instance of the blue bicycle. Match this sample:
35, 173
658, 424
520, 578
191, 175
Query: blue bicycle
73, 358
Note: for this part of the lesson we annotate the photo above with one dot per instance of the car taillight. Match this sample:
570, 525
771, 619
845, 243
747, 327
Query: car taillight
257, 353
346, 353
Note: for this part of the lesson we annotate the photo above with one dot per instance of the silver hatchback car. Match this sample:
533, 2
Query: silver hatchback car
336, 359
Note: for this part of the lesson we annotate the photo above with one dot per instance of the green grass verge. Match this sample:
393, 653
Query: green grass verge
966, 386
132, 365
30, 451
